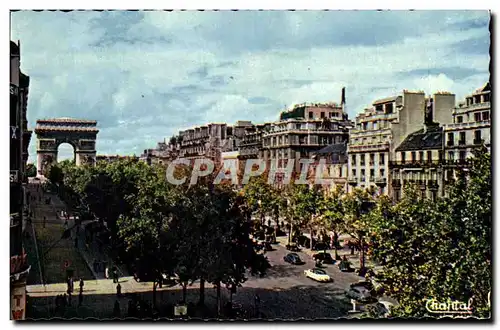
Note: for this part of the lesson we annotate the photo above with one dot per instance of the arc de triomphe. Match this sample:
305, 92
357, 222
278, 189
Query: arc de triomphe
50, 133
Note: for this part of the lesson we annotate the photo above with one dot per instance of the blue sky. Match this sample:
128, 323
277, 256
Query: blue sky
145, 75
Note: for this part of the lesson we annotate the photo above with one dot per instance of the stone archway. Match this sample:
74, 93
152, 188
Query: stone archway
50, 133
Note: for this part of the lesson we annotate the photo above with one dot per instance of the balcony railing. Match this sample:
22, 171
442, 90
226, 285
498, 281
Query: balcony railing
413, 164
450, 143
378, 146
461, 142
478, 141
380, 180
352, 180
467, 125
363, 179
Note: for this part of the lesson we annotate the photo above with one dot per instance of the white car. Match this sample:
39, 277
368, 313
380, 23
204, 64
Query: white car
359, 293
318, 275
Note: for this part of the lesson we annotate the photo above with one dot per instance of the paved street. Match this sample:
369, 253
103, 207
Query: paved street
284, 293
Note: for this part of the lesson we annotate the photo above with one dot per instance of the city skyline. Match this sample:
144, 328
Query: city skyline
191, 68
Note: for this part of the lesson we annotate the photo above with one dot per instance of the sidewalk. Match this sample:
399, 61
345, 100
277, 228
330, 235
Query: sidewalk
54, 253
89, 252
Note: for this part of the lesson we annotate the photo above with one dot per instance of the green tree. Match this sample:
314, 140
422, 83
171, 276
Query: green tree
439, 250
356, 208
332, 214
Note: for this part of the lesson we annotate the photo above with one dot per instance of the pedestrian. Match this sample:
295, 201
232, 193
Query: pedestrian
118, 290
69, 299
80, 298
106, 273
116, 309
81, 284
72, 284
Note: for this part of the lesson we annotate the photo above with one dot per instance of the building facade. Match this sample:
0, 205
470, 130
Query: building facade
334, 160
429, 157
382, 128
250, 146
19, 267
301, 132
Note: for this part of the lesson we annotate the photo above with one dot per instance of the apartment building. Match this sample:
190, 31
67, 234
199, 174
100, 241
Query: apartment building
302, 131
429, 157
470, 127
419, 161
235, 135
383, 127
19, 140
250, 146
334, 157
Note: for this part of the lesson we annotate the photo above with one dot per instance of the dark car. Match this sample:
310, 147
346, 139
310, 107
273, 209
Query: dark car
324, 257
321, 246
293, 258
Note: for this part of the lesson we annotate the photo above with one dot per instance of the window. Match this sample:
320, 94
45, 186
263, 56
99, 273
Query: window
451, 155
365, 126
353, 160
375, 125
477, 137
477, 116
403, 157
451, 139
354, 173
460, 119
440, 155
297, 126
322, 115
362, 159
388, 108
381, 157
362, 175
311, 116
486, 115
421, 156
379, 107
429, 156
486, 97
382, 172
461, 141
372, 174
413, 156
372, 159
331, 114
461, 156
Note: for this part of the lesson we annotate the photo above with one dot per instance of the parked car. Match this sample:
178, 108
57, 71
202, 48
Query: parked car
318, 275
324, 257
321, 246
293, 258
359, 293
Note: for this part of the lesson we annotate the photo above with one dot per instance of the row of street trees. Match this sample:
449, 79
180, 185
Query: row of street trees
439, 250
198, 232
